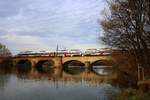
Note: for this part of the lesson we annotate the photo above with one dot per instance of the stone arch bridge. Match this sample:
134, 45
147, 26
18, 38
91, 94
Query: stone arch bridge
59, 61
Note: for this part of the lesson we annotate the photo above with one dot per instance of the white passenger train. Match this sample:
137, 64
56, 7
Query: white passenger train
63, 53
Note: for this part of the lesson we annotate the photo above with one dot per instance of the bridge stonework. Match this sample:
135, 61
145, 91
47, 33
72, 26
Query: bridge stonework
59, 61
35, 60
88, 60
84, 59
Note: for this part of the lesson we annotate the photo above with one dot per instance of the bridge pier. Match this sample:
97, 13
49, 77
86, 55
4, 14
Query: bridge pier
33, 63
87, 66
57, 68
33, 70
57, 72
57, 62
14, 63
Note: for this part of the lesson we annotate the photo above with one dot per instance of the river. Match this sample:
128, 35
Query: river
57, 86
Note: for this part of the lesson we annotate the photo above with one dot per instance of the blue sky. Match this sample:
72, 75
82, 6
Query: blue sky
42, 24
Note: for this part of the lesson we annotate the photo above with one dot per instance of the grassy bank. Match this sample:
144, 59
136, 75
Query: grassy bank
132, 94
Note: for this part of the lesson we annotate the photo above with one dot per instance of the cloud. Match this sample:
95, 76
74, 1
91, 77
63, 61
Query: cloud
21, 39
9, 7
46, 23
24, 42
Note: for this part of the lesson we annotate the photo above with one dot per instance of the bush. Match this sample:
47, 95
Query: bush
132, 94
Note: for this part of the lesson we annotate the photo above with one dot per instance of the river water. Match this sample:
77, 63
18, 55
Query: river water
60, 86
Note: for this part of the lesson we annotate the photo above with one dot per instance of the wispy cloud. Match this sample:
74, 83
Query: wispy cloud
21, 39
24, 42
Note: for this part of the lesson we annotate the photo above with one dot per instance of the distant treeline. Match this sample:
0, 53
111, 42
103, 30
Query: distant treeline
4, 51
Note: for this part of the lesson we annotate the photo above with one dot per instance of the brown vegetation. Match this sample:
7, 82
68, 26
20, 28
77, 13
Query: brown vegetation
126, 70
127, 28
6, 61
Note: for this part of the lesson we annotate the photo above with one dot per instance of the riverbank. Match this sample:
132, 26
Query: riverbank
132, 94
140, 93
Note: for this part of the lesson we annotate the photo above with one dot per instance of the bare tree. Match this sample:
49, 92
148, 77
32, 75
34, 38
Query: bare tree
4, 52
128, 27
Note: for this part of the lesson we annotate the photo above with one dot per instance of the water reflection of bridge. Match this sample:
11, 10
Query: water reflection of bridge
60, 75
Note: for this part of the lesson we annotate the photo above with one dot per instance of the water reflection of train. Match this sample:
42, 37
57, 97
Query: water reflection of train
64, 53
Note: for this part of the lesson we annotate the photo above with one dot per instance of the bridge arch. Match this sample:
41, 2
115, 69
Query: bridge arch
44, 65
24, 65
74, 62
102, 67
101, 62
73, 66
